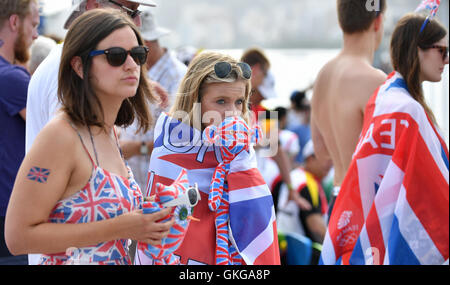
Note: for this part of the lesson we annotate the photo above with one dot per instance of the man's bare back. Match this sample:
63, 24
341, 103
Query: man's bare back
341, 92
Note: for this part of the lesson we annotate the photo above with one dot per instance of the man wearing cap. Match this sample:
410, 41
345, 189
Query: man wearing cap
307, 182
42, 101
165, 69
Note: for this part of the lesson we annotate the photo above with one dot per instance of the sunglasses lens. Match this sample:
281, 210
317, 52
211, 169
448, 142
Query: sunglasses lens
246, 70
192, 195
116, 56
222, 69
139, 54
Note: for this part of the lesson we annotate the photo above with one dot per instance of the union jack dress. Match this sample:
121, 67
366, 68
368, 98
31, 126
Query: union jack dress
105, 196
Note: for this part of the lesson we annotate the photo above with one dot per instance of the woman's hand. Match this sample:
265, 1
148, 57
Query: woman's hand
146, 227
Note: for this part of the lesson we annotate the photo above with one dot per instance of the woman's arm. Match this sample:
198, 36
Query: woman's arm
46, 173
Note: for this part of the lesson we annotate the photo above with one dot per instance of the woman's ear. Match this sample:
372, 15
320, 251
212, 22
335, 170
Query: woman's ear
77, 66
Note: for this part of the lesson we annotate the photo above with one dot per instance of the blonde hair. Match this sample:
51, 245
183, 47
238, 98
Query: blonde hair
200, 73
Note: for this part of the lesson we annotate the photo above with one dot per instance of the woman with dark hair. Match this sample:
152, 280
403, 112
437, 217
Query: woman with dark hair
393, 206
419, 56
73, 189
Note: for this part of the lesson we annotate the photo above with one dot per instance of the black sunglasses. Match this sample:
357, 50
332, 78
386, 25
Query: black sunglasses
132, 13
442, 49
117, 56
223, 69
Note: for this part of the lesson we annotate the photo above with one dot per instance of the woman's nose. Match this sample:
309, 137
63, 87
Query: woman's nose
232, 110
130, 62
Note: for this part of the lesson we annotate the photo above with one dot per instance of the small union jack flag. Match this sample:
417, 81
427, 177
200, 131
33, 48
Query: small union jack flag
431, 5
38, 174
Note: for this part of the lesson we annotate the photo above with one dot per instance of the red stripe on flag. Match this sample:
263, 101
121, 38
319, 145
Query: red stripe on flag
375, 234
271, 256
349, 199
189, 161
430, 204
245, 179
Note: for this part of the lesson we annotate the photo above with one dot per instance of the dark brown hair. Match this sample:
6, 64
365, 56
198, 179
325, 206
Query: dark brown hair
355, 16
405, 42
77, 96
254, 56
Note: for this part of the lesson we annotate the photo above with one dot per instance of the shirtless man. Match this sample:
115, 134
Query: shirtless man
344, 86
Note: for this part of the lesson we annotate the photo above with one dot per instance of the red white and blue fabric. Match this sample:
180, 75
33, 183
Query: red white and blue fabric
393, 207
163, 254
105, 196
431, 5
251, 212
233, 137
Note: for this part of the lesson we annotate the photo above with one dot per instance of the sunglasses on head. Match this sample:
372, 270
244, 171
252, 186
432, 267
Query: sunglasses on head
132, 13
442, 49
223, 69
117, 56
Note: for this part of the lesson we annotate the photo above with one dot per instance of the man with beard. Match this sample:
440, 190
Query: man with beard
19, 20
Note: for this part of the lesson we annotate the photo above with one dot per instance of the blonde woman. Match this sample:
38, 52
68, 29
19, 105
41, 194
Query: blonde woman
215, 86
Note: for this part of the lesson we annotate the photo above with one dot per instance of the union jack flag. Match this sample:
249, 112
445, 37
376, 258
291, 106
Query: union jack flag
393, 207
252, 215
431, 5
38, 174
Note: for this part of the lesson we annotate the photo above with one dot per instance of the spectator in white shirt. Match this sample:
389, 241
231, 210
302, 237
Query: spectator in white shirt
165, 69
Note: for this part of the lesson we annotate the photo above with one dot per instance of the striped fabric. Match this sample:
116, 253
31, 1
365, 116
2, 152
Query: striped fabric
251, 223
393, 207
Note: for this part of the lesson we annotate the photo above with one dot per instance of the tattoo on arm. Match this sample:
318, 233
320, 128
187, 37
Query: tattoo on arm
38, 174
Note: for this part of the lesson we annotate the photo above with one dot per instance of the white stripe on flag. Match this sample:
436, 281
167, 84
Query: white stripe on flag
245, 194
387, 198
328, 253
259, 244
415, 234
371, 176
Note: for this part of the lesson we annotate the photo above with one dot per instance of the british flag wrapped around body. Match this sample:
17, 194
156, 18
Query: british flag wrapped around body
183, 198
232, 136
393, 207
251, 225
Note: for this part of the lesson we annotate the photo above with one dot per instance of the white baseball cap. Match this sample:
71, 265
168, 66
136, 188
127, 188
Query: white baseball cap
79, 7
150, 31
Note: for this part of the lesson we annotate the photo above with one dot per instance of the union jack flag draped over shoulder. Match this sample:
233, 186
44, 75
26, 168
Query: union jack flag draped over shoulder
252, 226
393, 207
